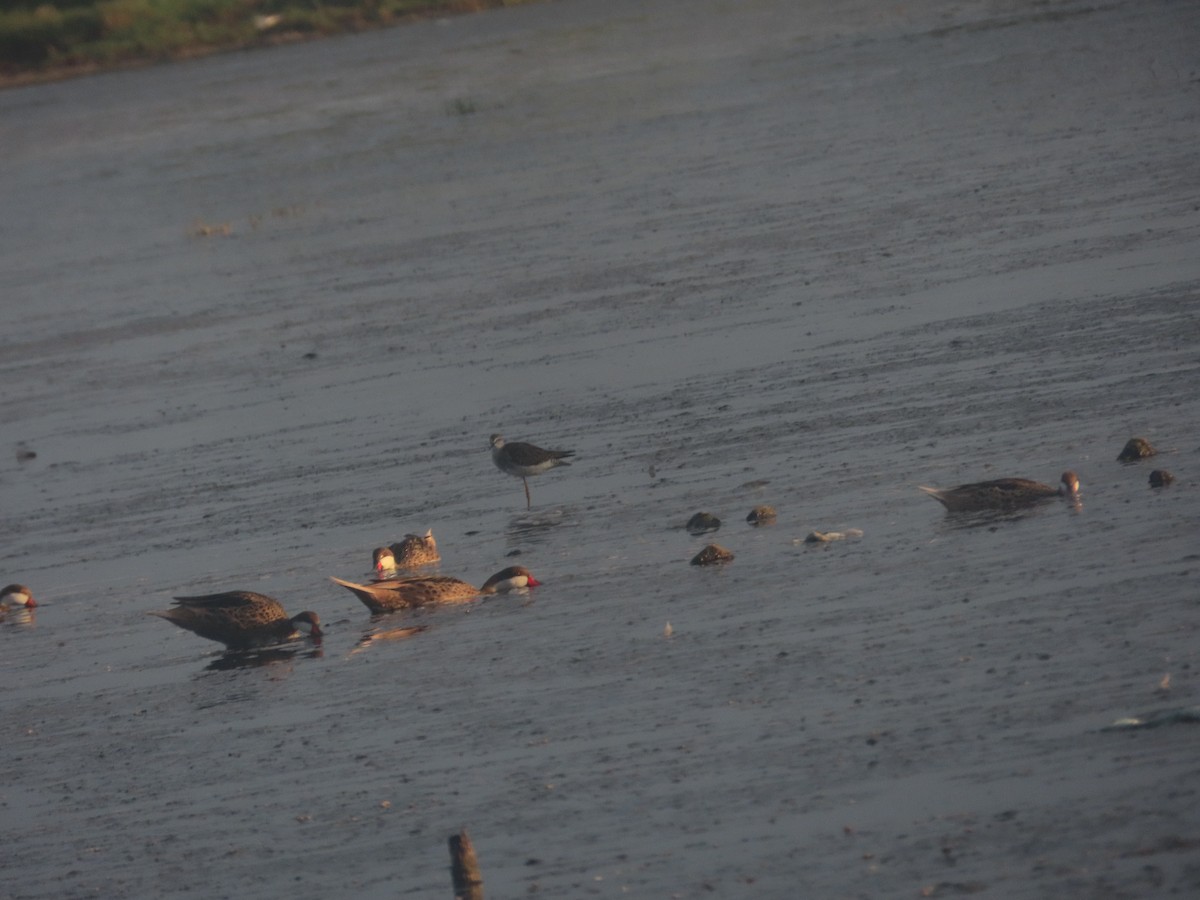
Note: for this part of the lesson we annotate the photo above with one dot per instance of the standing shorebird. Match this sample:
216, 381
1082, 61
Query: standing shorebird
241, 620
523, 460
1003, 493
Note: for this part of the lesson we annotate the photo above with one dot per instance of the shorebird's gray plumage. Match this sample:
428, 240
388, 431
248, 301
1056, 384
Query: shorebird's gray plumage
523, 460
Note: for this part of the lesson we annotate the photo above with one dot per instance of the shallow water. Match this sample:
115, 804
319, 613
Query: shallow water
768, 252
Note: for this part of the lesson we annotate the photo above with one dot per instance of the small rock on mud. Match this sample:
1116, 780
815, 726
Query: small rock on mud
1160, 478
711, 555
702, 522
1135, 449
761, 515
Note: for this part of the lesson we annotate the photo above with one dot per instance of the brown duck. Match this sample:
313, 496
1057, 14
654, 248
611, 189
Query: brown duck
241, 620
1003, 493
415, 550
425, 590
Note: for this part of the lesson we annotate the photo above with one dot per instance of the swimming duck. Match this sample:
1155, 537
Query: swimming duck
415, 550
241, 620
422, 590
1003, 493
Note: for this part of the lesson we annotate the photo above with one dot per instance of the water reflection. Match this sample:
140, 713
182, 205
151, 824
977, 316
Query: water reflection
374, 636
994, 518
536, 527
18, 617
254, 659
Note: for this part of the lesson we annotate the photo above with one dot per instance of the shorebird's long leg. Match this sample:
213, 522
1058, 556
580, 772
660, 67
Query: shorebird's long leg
528, 502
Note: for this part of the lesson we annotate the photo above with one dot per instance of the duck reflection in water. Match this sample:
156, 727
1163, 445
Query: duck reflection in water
256, 659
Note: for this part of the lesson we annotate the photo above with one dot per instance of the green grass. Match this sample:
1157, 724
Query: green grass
51, 38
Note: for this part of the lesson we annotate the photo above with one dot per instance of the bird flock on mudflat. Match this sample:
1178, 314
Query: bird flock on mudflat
245, 620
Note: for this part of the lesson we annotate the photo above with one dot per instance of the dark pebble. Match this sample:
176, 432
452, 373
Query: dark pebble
1160, 478
1135, 449
702, 522
711, 555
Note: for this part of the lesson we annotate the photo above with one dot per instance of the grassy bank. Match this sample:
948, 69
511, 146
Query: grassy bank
42, 39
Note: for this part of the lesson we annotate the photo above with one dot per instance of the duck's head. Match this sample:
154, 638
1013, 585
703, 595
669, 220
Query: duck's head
17, 595
384, 559
510, 579
308, 623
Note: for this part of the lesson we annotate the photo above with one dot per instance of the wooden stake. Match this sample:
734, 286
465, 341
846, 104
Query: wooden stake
464, 869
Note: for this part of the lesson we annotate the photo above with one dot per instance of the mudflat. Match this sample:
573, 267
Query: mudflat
262, 312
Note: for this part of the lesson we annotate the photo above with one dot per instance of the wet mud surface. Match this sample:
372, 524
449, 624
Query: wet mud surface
262, 312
